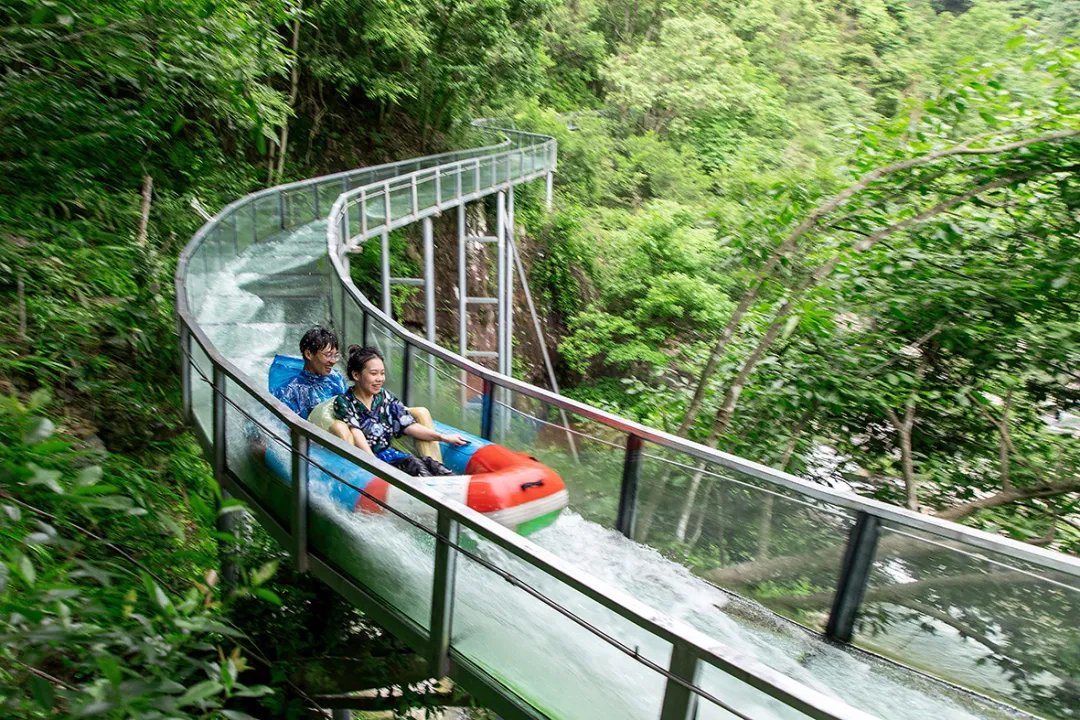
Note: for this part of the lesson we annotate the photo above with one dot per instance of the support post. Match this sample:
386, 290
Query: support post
549, 187
854, 575
385, 266
185, 370
406, 374
442, 595
628, 491
680, 703
429, 295
364, 328
462, 283
500, 279
508, 268
487, 409
281, 209
300, 499
226, 522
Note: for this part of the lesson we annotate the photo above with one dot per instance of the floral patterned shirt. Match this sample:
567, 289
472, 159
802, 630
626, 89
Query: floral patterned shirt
386, 419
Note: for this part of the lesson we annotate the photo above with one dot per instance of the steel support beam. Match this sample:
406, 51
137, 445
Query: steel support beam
680, 703
487, 409
429, 295
854, 574
300, 499
628, 491
186, 369
442, 595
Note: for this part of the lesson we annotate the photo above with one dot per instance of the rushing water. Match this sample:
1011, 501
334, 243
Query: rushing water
262, 301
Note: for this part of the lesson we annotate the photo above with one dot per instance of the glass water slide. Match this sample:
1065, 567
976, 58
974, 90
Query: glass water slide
862, 610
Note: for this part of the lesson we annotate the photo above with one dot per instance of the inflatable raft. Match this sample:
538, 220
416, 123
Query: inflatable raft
511, 488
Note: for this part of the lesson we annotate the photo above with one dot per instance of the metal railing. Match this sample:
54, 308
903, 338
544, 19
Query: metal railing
372, 202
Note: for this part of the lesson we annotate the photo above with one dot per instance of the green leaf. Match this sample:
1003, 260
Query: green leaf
268, 595
43, 692
1015, 41
264, 573
200, 692
109, 667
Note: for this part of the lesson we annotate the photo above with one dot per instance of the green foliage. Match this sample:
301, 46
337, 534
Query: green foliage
86, 627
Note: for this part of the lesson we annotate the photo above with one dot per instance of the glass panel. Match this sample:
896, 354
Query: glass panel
742, 534
258, 453
267, 216
244, 218
376, 211
328, 193
425, 191
392, 348
549, 659
299, 206
453, 397
384, 552
195, 281
448, 183
974, 617
400, 201
202, 390
354, 324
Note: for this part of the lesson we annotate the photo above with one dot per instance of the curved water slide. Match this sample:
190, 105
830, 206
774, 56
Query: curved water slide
585, 619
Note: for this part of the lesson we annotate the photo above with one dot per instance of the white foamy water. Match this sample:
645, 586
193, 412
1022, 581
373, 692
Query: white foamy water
260, 304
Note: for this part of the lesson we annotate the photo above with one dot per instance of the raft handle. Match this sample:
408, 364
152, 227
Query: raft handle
534, 483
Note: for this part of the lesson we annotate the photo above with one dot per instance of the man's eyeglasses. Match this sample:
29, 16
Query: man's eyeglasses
330, 355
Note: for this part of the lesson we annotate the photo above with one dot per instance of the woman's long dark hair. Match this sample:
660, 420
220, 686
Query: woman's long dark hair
359, 357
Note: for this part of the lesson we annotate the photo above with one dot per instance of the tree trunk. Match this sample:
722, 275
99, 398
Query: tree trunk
811, 221
727, 409
294, 89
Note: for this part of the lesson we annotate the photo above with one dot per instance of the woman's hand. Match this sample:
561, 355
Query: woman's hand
453, 439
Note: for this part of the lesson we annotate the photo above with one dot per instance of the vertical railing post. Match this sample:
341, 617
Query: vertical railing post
185, 370
406, 374
442, 595
629, 488
429, 295
680, 702
415, 199
548, 187
220, 458
438, 186
487, 413
854, 575
500, 281
508, 268
281, 209
343, 331
227, 521
363, 214
318, 200
300, 447
364, 322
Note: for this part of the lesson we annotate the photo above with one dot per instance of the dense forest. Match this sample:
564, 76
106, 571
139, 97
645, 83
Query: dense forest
839, 237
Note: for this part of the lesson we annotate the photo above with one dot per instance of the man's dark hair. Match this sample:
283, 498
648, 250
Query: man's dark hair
317, 339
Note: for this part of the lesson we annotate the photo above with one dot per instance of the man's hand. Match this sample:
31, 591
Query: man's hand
453, 439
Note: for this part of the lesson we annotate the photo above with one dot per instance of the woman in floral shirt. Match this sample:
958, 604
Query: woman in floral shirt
375, 416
